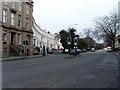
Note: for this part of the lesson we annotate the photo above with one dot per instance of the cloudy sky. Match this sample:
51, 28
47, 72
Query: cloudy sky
55, 15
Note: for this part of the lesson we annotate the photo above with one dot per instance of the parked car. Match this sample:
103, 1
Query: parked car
50, 51
66, 51
92, 49
79, 50
109, 49
84, 50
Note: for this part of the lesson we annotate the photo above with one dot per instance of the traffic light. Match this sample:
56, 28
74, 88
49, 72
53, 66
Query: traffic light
69, 40
75, 41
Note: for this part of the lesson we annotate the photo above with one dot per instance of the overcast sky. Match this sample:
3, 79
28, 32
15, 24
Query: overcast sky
55, 15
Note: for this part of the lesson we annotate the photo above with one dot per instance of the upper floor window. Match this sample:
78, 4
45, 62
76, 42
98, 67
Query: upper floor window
12, 19
27, 8
27, 22
20, 5
4, 16
5, 2
13, 3
19, 20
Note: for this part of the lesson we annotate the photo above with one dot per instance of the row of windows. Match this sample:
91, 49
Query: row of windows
19, 5
12, 19
4, 38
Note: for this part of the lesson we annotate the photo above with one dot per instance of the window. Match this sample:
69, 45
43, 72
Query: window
4, 16
19, 20
27, 22
20, 5
12, 19
13, 3
28, 39
19, 39
4, 37
27, 8
4, 2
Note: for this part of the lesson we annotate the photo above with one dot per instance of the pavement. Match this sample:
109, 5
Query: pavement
19, 57
23, 57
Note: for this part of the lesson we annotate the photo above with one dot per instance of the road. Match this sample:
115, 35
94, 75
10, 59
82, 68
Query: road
90, 70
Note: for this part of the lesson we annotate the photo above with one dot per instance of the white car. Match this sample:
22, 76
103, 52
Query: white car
92, 49
66, 50
109, 49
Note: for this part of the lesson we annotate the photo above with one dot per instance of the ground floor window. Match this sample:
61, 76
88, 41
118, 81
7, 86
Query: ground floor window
4, 37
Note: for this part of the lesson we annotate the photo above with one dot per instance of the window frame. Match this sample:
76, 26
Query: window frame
13, 4
27, 23
27, 8
4, 19
12, 19
4, 36
20, 5
19, 20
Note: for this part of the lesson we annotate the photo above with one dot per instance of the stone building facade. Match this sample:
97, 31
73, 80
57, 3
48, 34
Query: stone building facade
41, 38
16, 28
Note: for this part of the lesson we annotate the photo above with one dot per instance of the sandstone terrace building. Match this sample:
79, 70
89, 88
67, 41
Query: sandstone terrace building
16, 28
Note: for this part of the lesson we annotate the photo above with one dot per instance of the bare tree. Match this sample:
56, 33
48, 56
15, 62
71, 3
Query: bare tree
106, 27
88, 32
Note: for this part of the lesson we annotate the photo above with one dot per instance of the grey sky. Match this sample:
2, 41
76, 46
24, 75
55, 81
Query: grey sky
55, 15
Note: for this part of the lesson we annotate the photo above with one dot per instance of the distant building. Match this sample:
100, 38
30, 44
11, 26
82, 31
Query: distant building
16, 28
45, 38
117, 40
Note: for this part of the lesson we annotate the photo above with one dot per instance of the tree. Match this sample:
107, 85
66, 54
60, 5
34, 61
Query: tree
82, 43
71, 32
63, 35
88, 32
90, 42
106, 27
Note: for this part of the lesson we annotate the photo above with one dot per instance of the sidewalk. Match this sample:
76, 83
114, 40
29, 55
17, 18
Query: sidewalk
19, 57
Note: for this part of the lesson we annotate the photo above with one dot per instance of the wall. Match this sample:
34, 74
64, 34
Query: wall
1, 29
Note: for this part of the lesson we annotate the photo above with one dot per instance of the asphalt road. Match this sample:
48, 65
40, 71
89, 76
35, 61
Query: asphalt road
90, 70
